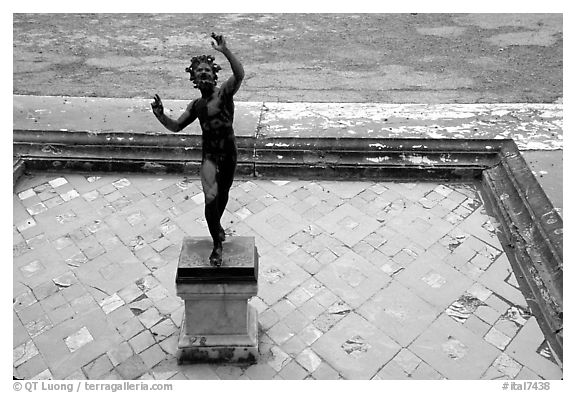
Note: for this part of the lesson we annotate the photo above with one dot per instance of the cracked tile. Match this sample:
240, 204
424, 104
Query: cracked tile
24, 352
463, 308
279, 358
111, 303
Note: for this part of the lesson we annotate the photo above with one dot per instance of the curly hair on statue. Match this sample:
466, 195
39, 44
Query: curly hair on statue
207, 59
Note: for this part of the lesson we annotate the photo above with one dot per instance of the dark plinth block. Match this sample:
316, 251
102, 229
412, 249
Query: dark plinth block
239, 261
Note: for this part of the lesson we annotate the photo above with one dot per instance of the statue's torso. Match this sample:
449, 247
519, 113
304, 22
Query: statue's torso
216, 115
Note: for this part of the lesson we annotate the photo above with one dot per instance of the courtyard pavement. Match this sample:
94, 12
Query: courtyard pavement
358, 280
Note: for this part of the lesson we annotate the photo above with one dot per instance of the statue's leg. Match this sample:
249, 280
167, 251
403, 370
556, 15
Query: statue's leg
208, 172
225, 179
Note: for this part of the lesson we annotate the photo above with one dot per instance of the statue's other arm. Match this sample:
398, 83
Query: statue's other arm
182, 122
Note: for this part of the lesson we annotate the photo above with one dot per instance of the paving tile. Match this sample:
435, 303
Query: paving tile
65, 280
163, 330
98, 368
453, 350
497, 338
348, 224
426, 372
44, 375
498, 304
509, 328
19, 333
30, 313
309, 360
120, 353
260, 372
407, 361
311, 309
279, 358
355, 348
169, 305
132, 368
527, 375
38, 326
283, 307
23, 300
487, 314
294, 346
507, 366
142, 341
280, 333
31, 268
391, 370
78, 339
120, 315
296, 321
165, 369
111, 303
153, 355
293, 371
278, 276
24, 352
434, 281
84, 304
309, 334
352, 278
130, 292
170, 344
477, 326
258, 304
150, 317
276, 223
463, 307
398, 312
325, 372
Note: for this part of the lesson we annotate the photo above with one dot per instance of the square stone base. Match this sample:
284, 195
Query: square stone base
233, 348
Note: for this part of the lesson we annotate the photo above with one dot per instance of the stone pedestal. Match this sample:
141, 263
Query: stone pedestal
219, 324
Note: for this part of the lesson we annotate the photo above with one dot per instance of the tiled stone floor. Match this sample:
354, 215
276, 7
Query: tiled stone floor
358, 280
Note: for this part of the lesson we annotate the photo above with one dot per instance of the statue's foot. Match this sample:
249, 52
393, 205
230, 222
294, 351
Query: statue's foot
222, 235
216, 256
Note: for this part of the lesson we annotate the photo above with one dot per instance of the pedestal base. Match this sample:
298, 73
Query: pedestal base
234, 348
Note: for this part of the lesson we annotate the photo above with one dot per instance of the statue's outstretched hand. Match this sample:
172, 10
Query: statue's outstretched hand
220, 44
157, 106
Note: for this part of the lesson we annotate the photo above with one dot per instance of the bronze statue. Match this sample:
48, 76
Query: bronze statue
215, 111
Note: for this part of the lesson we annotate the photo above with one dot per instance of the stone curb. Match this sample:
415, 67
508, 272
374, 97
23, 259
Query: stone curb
531, 126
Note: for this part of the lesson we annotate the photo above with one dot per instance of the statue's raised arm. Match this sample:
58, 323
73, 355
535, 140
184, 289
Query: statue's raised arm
232, 85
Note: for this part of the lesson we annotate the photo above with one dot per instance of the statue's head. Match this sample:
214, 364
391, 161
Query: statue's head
203, 71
